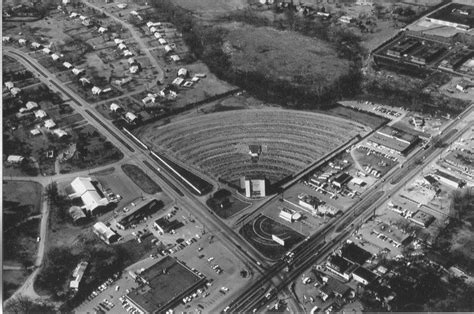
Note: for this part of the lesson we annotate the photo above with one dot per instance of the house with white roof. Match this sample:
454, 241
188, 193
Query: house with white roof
157, 35
131, 61
22, 41
118, 41
31, 105
162, 41
67, 65
84, 81
40, 114
91, 196
49, 124
153, 29
127, 53
73, 15
182, 72
9, 85
60, 133
122, 46
15, 91
114, 107
6, 39
121, 5
96, 90
134, 69
35, 45
130, 117
83, 18
55, 57
77, 274
46, 50
168, 48
175, 58
35, 132
77, 71
15, 159
102, 30
178, 81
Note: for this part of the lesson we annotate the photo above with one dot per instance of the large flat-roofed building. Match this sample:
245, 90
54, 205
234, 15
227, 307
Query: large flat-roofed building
423, 219
138, 213
355, 253
90, 194
457, 15
393, 139
162, 286
448, 179
254, 186
403, 47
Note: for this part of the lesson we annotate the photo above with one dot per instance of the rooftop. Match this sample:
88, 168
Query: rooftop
167, 281
355, 253
455, 13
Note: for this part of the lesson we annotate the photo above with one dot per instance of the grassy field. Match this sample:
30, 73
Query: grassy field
19, 243
371, 120
212, 7
225, 205
12, 280
21, 200
141, 179
284, 55
259, 233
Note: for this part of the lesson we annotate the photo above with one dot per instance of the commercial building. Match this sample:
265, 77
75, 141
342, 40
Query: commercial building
105, 233
310, 202
77, 214
423, 219
163, 225
355, 253
341, 180
90, 194
448, 179
395, 140
77, 274
340, 266
403, 47
363, 276
455, 15
138, 213
334, 287
398, 237
162, 286
254, 186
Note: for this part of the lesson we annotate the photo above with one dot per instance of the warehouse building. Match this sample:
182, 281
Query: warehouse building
163, 286
90, 193
455, 15
448, 179
105, 233
139, 213
422, 219
395, 140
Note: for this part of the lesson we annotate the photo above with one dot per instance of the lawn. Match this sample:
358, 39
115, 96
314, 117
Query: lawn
225, 205
141, 179
259, 231
21, 199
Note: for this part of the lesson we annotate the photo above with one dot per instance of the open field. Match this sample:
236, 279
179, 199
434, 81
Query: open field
19, 243
259, 233
12, 280
212, 6
287, 56
20, 200
218, 143
141, 179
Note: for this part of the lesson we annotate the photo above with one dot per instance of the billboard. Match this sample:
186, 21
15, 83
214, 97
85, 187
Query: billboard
278, 240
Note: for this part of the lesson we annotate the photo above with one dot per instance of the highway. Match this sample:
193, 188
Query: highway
244, 251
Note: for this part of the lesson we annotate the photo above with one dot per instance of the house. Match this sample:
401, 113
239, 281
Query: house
77, 71
105, 233
134, 13
195, 79
130, 117
35, 132
46, 50
168, 48
119, 41
134, 69
77, 274
150, 24
114, 107
102, 30
22, 41
157, 35
121, 5
150, 98
200, 75
346, 19
83, 18
168, 92
40, 114
84, 81
49, 124
122, 46
131, 61
96, 90
15, 91
162, 41
175, 58
67, 65
153, 29
9, 85
90, 194
55, 57
182, 72
127, 53
35, 45
60, 133
73, 15
15, 159
31, 105
6, 39
188, 84
177, 81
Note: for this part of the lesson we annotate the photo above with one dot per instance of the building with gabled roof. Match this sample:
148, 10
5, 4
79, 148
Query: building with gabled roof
90, 194
77, 274
105, 233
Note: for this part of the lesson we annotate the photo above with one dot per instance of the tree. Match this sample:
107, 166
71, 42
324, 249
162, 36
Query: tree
25, 305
